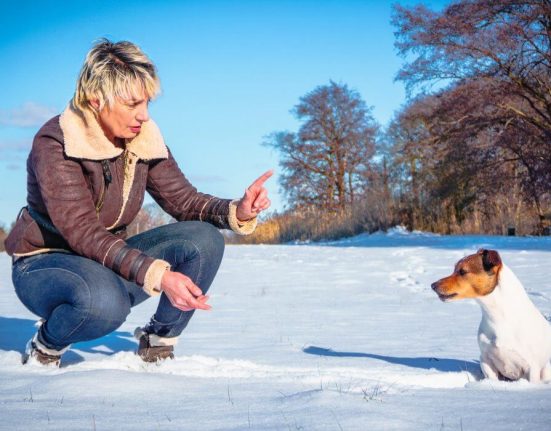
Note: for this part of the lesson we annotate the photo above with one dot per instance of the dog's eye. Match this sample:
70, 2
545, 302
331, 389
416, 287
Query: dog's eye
462, 271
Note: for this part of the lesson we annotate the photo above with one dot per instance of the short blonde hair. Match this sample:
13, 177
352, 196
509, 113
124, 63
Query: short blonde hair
115, 70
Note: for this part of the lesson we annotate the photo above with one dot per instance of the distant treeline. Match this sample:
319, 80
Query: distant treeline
469, 153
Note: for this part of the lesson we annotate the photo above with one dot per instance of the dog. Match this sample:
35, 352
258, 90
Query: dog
514, 337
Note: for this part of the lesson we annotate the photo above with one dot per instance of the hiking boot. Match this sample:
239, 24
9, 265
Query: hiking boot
153, 348
36, 353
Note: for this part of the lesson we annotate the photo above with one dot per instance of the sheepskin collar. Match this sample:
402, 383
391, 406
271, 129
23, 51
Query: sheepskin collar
84, 139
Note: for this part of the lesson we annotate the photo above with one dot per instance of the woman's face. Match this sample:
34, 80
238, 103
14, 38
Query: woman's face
124, 119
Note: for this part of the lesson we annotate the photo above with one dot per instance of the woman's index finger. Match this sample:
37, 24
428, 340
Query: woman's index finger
262, 179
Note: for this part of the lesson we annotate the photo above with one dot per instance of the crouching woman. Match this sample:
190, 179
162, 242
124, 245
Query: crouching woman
88, 171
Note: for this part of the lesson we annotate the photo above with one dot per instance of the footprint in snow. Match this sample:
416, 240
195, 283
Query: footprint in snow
404, 279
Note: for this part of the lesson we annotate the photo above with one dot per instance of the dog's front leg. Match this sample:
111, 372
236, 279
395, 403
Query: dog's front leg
534, 374
488, 370
546, 373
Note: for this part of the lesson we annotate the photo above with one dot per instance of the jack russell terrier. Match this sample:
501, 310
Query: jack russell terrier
514, 337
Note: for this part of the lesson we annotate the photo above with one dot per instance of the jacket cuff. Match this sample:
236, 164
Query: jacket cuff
242, 228
153, 277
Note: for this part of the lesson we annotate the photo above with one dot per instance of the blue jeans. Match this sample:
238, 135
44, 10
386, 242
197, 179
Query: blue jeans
81, 300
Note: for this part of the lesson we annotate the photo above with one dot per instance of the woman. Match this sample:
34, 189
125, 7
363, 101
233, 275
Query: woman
88, 170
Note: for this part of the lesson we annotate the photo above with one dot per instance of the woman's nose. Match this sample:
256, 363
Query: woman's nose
143, 115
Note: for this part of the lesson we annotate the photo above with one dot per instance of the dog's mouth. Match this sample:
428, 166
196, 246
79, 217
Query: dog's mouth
445, 298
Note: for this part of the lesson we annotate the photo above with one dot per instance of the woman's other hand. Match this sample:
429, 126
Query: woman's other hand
182, 292
255, 200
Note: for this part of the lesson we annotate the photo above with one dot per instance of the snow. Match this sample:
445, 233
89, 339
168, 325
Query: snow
342, 335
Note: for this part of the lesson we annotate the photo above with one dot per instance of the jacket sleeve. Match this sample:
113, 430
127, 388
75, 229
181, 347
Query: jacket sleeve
70, 206
174, 193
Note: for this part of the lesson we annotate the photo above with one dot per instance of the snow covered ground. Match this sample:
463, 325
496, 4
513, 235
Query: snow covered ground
336, 336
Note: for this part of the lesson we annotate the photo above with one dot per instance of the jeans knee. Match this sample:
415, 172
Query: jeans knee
211, 239
206, 237
113, 311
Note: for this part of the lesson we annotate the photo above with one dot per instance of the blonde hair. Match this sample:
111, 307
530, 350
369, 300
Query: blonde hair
112, 71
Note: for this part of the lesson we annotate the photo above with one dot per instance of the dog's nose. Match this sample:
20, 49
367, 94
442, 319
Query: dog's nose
434, 286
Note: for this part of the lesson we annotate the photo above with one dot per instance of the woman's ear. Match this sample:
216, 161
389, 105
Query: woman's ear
94, 103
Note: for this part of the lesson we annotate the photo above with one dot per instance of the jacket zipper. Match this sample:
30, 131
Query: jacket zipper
107, 178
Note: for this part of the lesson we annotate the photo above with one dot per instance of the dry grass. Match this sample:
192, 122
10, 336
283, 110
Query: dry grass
313, 225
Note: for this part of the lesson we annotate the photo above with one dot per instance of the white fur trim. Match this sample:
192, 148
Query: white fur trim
242, 228
39, 323
46, 350
85, 139
153, 277
154, 339
130, 162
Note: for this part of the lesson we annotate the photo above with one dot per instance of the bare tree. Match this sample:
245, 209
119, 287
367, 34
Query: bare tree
325, 164
490, 126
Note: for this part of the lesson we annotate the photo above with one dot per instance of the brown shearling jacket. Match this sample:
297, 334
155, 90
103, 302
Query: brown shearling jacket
90, 190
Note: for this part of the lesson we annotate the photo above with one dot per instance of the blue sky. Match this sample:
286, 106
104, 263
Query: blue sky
230, 73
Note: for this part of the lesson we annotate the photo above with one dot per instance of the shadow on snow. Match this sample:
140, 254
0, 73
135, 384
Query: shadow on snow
440, 364
15, 332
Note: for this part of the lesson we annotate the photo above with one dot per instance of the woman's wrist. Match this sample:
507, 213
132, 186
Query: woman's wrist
238, 225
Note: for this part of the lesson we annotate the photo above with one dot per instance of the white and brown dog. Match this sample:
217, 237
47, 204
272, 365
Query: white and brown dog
514, 337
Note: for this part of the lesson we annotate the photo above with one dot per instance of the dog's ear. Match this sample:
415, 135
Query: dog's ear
490, 258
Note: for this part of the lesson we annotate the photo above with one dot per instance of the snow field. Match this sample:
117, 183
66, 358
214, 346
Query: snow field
339, 336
